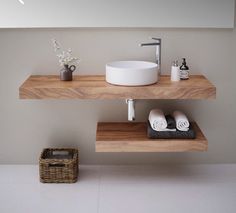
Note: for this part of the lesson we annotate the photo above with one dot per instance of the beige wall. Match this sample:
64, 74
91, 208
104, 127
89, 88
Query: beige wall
110, 13
28, 126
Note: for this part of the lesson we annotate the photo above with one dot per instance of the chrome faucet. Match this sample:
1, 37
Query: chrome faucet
158, 51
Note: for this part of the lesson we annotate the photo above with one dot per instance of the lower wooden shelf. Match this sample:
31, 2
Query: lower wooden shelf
132, 137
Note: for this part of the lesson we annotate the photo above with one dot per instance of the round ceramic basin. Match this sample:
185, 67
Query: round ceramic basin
131, 73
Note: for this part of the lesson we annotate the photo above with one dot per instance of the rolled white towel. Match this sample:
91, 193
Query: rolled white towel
181, 120
157, 120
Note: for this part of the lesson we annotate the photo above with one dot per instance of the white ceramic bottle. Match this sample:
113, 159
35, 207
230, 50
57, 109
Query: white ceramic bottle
175, 71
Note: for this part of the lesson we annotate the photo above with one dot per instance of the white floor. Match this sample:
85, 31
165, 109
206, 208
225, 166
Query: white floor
122, 189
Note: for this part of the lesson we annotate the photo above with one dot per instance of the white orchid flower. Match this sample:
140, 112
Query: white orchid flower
65, 57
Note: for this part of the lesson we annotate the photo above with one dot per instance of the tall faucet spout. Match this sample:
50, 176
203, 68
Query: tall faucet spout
149, 44
157, 43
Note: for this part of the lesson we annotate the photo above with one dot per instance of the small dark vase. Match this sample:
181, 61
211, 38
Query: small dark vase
66, 73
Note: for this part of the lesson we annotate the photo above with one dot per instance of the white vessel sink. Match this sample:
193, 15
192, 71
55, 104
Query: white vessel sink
131, 73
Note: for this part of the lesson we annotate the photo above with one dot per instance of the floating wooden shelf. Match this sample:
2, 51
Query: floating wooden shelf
95, 87
132, 137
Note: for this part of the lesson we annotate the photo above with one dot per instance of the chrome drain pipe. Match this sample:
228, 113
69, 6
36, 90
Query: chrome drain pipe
131, 109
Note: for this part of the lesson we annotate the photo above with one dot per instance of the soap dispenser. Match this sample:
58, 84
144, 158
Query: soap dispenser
175, 72
184, 70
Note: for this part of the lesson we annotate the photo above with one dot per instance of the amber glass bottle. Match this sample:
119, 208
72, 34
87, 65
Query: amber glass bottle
184, 70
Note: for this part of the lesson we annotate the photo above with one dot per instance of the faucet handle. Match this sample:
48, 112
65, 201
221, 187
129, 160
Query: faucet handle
156, 39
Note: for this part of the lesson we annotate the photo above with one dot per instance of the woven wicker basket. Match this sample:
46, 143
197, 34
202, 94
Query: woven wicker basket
59, 165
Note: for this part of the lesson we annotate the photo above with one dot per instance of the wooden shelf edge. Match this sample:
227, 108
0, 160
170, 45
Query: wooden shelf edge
132, 137
198, 87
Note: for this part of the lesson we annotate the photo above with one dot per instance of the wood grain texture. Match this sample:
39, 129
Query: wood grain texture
95, 87
132, 137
